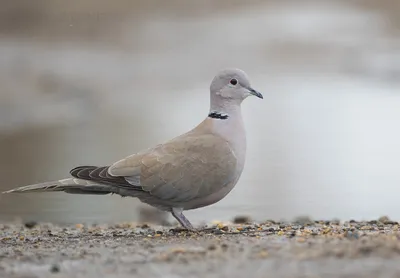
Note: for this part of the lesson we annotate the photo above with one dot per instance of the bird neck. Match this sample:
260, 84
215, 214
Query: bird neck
227, 122
223, 110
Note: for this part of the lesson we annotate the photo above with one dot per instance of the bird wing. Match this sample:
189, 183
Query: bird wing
187, 167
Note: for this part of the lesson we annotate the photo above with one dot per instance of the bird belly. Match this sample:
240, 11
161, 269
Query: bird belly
210, 199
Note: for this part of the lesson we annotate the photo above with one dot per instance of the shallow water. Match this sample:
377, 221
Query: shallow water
323, 142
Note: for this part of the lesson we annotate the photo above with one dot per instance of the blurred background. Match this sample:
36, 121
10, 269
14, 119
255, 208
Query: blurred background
89, 82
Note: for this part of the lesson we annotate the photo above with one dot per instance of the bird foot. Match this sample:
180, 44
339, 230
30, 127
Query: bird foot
186, 225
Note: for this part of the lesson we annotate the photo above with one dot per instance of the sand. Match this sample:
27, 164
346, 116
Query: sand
269, 249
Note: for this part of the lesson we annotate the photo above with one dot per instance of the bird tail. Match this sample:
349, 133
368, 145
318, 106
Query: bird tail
71, 185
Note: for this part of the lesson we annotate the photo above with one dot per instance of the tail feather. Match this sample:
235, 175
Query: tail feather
71, 185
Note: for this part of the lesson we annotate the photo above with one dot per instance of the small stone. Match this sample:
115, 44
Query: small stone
241, 219
351, 234
335, 222
224, 246
222, 227
177, 230
262, 254
212, 247
303, 220
30, 224
326, 231
291, 234
218, 232
55, 268
383, 219
366, 227
178, 250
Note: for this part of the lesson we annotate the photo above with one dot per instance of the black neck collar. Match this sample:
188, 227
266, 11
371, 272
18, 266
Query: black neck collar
216, 115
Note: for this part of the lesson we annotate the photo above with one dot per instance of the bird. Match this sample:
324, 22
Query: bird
195, 169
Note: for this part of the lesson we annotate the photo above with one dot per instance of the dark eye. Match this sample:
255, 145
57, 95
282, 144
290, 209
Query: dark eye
233, 81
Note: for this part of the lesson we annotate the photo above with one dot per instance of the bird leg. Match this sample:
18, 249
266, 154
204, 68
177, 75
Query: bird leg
177, 213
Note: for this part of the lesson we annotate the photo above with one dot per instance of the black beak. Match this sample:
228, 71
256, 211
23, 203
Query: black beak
255, 93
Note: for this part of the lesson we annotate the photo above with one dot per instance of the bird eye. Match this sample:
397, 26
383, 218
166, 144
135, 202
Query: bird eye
233, 81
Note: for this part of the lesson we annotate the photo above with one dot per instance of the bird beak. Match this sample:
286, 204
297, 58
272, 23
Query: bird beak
255, 93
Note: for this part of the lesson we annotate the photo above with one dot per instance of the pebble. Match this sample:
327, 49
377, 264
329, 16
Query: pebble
30, 224
241, 220
55, 268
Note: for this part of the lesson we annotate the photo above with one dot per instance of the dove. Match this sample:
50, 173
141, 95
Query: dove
193, 170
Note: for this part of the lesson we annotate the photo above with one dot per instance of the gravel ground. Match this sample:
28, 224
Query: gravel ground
270, 249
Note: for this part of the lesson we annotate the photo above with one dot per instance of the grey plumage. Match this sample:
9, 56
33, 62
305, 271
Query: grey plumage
193, 170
